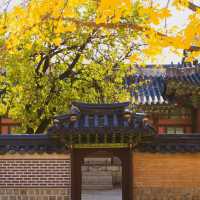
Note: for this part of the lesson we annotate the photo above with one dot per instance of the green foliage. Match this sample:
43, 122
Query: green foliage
42, 77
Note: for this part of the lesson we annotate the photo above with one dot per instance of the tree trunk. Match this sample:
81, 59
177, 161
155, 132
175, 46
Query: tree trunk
43, 126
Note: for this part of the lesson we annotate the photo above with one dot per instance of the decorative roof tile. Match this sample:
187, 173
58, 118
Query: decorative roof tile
171, 144
94, 116
23, 143
154, 81
152, 91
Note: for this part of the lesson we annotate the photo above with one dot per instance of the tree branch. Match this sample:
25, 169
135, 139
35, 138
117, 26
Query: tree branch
76, 58
193, 6
127, 54
99, 89
46, 58
193, 48
43, 125
45, 121
110, 25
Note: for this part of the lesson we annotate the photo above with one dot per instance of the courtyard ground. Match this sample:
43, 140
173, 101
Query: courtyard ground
114, 194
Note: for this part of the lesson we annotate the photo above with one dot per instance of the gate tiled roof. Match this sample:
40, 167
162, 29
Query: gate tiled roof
99, 116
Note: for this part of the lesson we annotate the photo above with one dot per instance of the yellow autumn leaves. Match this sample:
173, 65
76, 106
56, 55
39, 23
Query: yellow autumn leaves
154, 15
112, 11
45, 21
180, 3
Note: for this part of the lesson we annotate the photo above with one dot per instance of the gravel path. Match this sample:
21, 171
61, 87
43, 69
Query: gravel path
114, 194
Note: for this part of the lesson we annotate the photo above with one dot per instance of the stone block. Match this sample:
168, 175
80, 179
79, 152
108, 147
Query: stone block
97, 180
4, 198
35, 194
2, 191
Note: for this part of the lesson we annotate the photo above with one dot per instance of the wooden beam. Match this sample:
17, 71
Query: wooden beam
91, 146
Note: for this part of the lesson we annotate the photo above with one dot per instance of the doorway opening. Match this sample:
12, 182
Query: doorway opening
94, 168
101, 178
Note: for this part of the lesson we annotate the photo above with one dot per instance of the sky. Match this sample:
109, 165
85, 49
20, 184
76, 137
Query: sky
178, 18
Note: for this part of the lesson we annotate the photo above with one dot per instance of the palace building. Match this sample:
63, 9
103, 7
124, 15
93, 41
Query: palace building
170, 97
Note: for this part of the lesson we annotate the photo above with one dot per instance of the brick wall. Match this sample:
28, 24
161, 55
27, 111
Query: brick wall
35, 177
166, 176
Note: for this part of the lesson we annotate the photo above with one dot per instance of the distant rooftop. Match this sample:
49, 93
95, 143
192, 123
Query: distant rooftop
155, 81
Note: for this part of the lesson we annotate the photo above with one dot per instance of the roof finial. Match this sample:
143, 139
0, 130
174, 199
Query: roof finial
74, 110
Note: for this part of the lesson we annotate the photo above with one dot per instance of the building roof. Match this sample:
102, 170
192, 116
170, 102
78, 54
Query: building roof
91, 116
154, 82
91, 107
106, 123
151, 92
22, 143
171, 144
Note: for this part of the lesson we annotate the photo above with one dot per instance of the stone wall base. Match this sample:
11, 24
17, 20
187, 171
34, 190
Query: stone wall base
34, 194
147, 193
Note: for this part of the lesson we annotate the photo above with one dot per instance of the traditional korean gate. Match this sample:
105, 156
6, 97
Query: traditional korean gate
124, 154
108, 128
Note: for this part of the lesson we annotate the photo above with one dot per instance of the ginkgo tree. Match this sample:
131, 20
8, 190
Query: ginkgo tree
54, 52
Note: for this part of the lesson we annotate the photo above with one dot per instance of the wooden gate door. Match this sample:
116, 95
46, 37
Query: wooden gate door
124, 154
